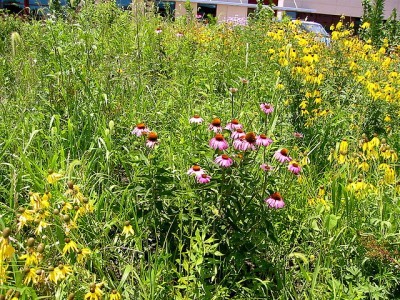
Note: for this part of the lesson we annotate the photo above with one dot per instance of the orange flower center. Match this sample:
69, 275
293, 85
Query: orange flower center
263, 136
219, 137
267, 106
239, 130
216, 122
224, 156
276, 196
196, 116
296, 165
152, 136
141, 126
285, 152
235, 122
250, 137
204, 175
196, 168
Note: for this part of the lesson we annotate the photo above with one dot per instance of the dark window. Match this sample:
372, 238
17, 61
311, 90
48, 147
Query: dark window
206, 11
165, 8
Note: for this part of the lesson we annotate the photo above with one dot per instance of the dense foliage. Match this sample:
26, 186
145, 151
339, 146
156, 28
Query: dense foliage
125, 175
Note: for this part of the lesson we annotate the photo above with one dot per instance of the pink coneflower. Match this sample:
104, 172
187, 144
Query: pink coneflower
196, 170
233, 90
215, 125
237, 143
218, 142
158, 30
179, 34
298, 135
294, 167
140, 130
244, 80
266, 167
224, 161
282, 155
249, 142
275, 201
263, 140
237, 134
152, 139
196, 119
233, 125
203, 178
267, 108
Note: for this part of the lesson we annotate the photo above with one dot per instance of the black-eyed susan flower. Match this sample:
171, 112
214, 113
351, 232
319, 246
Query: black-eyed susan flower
53, 177
69, 246
114, 295
343, 146
30, 276
82, 254
127, 230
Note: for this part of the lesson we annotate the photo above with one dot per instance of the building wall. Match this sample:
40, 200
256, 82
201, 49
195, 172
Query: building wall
227, 12
351, 8
180, 8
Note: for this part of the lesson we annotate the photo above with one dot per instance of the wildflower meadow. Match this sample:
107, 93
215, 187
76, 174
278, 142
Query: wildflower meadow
148, 158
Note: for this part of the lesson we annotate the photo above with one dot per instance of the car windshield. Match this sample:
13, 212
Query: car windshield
315, 28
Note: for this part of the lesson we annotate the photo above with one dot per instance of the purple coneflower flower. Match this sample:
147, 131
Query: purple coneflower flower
140, 130
237, 143
282, 155
203, 178
233, 90
196, 170
263, 140
152, 139
266, 167
158, 30
224, 161
267, 108
218, 142
196, 119
275, 201
179, 34
249, 142
237, 134
233, 125
215, 125
294, 168
298, 135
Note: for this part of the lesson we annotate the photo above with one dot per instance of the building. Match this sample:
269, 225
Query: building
326, 12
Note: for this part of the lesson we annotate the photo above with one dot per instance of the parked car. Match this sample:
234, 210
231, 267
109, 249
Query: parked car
317, 29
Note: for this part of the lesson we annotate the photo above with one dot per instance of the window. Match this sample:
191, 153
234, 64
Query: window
165, 8
206, 11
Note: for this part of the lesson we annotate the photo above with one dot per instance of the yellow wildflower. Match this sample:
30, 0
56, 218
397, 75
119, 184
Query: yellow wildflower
30, 276
115, 295
53, 177
128, 230
365, 25
390, 176
343, 146
55, 274
69, 246
364, 166
82, 253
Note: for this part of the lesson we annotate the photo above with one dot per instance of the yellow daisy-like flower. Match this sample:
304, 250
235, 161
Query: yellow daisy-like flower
82, 254
365, 25
55, 274
92, 295
390, 176
53, 177
364, 166
69, 246
115, 295
42, 224
128, 230
31, 276
30, 258
343, 146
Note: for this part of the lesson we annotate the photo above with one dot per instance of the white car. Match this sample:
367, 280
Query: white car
316, 29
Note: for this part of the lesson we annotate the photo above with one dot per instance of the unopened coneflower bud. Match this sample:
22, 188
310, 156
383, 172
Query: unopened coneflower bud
30, 242
233, 90
40, 248
71, 296
6, 232
85, 200
383, 141
39, 272
56, 212
70, 185
66, 218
